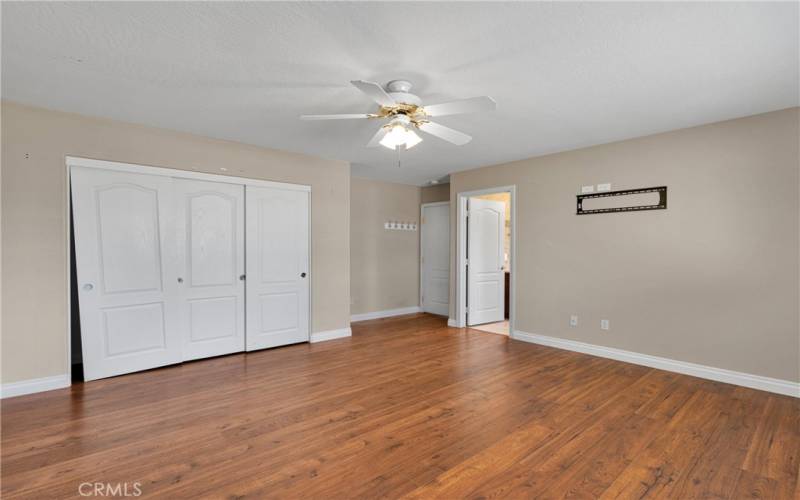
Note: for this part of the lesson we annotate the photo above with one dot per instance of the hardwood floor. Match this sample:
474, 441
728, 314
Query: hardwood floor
407, 407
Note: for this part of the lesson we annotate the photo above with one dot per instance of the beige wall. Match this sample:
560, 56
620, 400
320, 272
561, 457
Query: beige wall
711, 280
433, 194
384, 264
34, 281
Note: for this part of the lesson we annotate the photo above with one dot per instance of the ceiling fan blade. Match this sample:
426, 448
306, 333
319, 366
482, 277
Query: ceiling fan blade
472, 105
375, 92
334, 117
445, 133
376, 139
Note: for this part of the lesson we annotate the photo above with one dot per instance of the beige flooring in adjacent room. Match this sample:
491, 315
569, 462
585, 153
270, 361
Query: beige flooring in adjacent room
501, 327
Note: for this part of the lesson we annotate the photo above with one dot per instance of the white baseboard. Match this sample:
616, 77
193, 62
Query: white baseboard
385, 314
452, 322
35, 385
778, 386
330, 335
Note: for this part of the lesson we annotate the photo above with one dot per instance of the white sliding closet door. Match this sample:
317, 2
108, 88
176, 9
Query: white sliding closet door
127, 286
210, 234
277, 241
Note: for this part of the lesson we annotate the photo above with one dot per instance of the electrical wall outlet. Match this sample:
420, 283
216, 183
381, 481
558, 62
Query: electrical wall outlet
573, 320
604, 324
587, 189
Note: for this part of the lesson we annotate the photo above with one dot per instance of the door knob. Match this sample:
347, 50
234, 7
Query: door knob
241, 277
180, 280
88, 287
302, 275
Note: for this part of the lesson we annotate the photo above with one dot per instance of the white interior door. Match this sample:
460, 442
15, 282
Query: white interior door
125, 256
485, 274
436, 259
210, 234
277, 241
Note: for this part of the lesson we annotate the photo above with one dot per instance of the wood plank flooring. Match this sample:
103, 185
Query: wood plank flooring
410, 408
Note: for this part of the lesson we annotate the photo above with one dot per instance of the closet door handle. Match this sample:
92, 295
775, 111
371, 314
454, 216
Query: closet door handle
180, 280
88, 287
302, 275
242, 277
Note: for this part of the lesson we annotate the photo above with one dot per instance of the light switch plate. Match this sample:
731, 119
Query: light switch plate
587, 189
573, 320
604, 187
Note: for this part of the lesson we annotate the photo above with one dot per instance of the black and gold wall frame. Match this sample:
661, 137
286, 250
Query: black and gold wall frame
626, 200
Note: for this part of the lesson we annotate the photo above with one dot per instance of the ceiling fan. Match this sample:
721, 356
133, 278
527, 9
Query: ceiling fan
405, 112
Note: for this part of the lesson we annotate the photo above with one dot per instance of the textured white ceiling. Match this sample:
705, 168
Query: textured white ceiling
564, 75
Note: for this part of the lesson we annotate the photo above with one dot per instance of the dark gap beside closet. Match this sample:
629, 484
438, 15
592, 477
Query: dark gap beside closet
75, 312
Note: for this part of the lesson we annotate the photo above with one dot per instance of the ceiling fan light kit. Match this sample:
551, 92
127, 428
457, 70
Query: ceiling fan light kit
399, 133
405, 113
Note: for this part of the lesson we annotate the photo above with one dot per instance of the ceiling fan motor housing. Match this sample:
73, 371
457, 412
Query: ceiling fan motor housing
399, 120
399, 91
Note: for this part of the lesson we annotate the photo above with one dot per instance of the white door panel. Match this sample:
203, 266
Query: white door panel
485, 273
132, 329
125, 258
210, 233
216, 318
277, 267
436, 259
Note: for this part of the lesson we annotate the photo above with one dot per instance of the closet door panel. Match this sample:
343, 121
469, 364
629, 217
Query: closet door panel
125, 266
210, 231
277, 267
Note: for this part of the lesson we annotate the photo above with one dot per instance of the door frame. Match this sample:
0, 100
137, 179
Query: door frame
461, 255
76, 161
422, 246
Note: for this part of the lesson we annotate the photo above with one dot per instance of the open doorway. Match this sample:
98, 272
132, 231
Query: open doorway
485, 270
